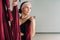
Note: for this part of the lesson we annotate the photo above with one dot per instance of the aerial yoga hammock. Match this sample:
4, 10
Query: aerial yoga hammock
4, 27
6, 33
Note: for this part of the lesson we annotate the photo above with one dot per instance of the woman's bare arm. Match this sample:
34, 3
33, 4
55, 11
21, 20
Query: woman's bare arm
32, 32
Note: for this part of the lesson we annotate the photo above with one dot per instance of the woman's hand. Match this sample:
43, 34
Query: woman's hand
22, 34
15, 2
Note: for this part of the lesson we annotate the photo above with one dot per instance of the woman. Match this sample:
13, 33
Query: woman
26, 22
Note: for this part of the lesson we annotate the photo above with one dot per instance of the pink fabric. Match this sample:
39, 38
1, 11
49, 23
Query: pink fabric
28, 36
15, 25
5, 29
1, 23
4, 34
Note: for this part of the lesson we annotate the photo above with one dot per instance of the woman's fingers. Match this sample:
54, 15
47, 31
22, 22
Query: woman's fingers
22, 34
15, 2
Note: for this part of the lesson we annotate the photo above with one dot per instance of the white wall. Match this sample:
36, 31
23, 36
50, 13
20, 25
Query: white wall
47, 14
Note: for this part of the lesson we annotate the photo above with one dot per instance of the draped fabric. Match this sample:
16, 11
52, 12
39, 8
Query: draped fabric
15, 25
1, 23
25, 29
28, 36
4, 26
6, 33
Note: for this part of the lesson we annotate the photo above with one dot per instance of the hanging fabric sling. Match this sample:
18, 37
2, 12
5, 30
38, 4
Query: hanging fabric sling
4, 26
15, 24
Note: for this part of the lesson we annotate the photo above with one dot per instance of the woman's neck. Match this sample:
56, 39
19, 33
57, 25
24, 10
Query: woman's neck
24, 16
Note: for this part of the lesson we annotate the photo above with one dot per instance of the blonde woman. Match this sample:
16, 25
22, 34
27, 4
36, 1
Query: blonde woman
26, 22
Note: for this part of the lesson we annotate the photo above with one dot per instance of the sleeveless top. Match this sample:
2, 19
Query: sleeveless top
24, 27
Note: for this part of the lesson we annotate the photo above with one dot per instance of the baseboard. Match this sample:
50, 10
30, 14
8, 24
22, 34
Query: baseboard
47, 32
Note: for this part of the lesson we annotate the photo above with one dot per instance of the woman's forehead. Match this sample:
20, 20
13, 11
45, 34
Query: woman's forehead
27, 4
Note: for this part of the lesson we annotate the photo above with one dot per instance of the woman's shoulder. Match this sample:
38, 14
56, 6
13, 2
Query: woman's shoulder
32, 18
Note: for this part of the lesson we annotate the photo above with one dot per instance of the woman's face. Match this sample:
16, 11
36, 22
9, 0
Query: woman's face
26, 9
